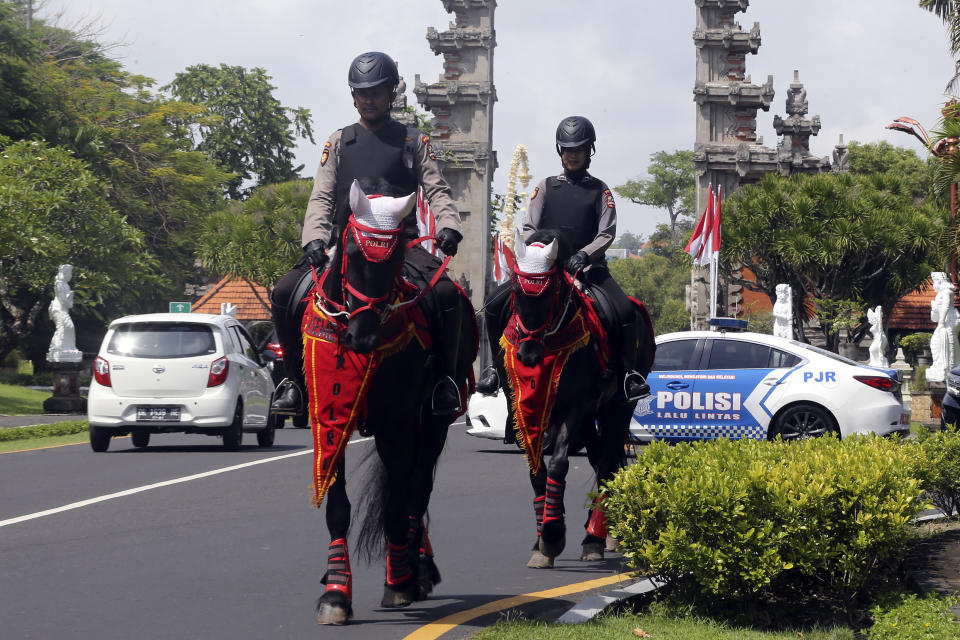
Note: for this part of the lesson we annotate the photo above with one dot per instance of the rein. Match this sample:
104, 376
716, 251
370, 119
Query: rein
376, 245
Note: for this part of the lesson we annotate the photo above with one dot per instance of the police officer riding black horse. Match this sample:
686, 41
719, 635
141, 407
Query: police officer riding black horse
581, 209
375, 147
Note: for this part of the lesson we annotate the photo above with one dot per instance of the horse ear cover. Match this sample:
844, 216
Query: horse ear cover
382, 213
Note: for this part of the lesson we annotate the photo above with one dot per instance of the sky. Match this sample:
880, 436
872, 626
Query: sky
627, 65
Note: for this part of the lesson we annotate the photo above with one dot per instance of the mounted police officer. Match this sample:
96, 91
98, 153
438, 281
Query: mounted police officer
375, 147
581, 208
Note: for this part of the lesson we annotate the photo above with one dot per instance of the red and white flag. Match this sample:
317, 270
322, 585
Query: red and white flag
503, 260
704, 245
426, 222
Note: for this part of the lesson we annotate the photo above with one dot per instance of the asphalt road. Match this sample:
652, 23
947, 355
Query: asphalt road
239, 554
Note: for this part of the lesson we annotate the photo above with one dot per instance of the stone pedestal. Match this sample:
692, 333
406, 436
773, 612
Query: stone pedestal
66, 389
927, 405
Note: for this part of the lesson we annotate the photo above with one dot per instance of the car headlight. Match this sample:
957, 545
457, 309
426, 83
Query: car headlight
953, 383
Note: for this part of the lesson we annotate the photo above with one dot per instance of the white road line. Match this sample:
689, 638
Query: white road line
157, 485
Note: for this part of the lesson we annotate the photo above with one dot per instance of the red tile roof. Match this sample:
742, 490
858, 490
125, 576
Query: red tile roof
251, 299
912, 311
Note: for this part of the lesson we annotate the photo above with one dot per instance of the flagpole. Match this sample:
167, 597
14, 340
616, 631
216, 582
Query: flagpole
713, 286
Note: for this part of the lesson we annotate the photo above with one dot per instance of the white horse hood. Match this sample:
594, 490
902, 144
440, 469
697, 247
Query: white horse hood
535, 258
380, 212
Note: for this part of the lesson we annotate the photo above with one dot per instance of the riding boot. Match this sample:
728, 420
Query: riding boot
489, 382
290, 395
634, 384
288, 399
446, 394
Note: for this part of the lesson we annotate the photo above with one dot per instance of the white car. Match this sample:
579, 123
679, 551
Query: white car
178, 372
725, 384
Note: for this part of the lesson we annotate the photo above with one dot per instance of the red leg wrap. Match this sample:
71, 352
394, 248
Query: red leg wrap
339, 577
597, 524
398, 566
553, 505
538, 512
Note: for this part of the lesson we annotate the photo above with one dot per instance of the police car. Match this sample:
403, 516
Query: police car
720, 384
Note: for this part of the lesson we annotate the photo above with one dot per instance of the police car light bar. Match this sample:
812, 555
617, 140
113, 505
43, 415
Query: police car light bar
728, 323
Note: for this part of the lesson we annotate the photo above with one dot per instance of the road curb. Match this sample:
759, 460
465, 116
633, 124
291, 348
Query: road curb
591, 607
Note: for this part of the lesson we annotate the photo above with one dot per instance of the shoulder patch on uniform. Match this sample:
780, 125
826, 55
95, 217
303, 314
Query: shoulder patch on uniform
326, 154
608, 197
425, 139
536, 190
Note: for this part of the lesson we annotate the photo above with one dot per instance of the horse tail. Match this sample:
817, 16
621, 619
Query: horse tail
371, 544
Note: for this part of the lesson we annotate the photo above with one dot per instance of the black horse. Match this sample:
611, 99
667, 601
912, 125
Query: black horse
559, 380
368, 364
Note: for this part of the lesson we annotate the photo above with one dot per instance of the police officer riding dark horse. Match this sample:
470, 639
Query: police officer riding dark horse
376, 147
581, 209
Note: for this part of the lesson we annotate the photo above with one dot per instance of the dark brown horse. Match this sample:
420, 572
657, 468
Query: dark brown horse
561, 388
368, 365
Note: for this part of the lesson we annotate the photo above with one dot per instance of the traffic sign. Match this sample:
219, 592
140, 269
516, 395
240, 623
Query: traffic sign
180, 307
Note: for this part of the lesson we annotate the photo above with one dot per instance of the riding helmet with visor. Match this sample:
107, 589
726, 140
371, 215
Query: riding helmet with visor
575, 131
372, 69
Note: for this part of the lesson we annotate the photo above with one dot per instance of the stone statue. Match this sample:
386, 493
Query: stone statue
63, 346
878, 348
943, 344
783, 313
841, 157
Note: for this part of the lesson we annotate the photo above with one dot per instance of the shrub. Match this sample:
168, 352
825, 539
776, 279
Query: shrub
937, 465
915, 343
911, 617
43, 430
743, 518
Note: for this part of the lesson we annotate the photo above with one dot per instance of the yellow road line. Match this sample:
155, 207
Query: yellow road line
439, 627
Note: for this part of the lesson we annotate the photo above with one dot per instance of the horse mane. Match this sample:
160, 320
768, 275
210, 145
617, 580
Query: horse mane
546, 236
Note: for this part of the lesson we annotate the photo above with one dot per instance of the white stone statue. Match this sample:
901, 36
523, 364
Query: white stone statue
878, 348
783, 313
63, 346
943, 344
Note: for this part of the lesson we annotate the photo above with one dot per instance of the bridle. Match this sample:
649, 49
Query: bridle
534, 285
377, 246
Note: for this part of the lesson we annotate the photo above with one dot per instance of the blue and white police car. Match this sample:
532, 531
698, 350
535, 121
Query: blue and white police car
724, 384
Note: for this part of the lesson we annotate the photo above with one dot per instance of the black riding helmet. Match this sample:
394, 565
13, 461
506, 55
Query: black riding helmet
371, 69
575, 131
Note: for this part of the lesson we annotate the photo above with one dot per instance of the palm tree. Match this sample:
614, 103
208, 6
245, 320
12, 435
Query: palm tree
949, 12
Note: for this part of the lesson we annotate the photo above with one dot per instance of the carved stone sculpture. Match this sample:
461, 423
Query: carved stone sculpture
63, 346
943, 344
783, 313
878, 347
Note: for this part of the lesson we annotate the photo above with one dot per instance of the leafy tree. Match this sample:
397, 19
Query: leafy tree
949, 12
252, 134
836, 237
671, 186
632, 243
883, 157
671, 244
660, 285
55, 211
257, 239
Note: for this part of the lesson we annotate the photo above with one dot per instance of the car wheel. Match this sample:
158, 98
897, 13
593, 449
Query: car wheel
281, 420
140, 439
99, 438
266, 435
301, 421
803, 421
233, 435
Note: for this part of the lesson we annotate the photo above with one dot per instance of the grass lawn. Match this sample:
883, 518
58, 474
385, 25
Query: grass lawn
20, 401
38, 443
656, 622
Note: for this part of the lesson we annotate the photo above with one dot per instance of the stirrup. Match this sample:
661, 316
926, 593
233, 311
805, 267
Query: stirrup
443, 411
285, 384
631, 376
488, 373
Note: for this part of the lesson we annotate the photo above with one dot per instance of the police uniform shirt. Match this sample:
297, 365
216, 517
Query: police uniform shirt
591, 205
418, 158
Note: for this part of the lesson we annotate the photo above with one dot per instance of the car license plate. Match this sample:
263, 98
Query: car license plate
158, 414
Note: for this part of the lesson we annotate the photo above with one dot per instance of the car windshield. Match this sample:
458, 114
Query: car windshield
824, 352
162, 340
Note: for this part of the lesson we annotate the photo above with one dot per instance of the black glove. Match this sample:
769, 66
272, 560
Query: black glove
315, 255
447, 240
576, 262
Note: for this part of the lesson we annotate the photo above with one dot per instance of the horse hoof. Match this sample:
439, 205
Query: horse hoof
333, 610
397, 597
592, 551
429, 577
540, 561
612, 544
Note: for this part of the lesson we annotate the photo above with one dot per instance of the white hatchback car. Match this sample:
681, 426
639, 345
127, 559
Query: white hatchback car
176, 372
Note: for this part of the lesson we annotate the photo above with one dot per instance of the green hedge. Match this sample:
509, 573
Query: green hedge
937, 465
737, 519
43, 430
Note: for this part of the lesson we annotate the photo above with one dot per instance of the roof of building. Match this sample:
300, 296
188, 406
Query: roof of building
912, 311
251, 299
